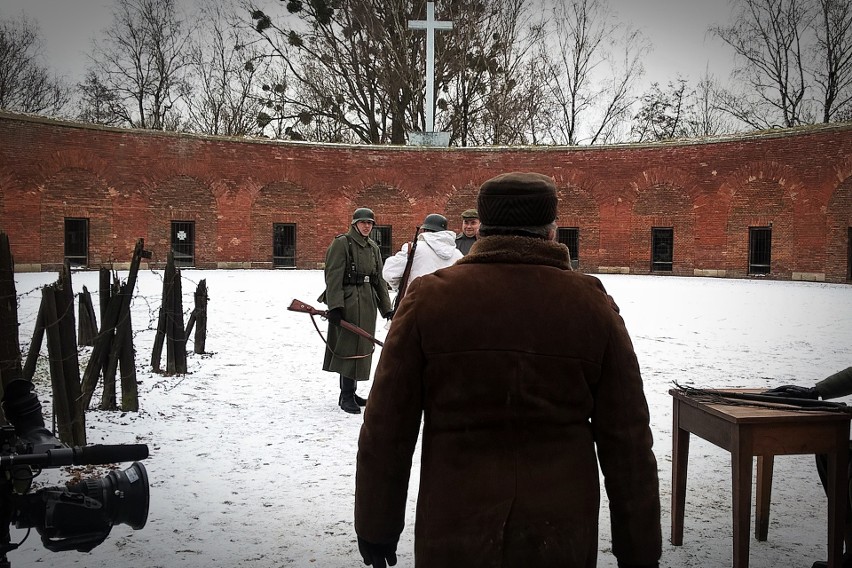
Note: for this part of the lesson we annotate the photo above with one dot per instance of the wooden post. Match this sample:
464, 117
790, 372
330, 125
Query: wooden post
126, 294
200, 312
175, 339
104, 290
127, 360
190, 325
108, 392
35, 344
199, 315
110, 330
108, 396
100, 352
54, 350
67, 327
159, 338
88, 324
10, 348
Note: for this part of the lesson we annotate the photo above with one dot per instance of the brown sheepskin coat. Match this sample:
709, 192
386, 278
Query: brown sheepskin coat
526, 380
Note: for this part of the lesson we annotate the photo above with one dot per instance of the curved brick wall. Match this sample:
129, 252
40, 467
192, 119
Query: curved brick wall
132, 184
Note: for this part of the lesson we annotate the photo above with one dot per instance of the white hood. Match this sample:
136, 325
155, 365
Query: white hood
442, 242
434, 251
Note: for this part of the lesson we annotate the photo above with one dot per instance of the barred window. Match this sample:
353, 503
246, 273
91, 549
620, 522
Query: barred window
382, 235
570, 237
662, 249
183, 242
284, 245
759, 250
77, 241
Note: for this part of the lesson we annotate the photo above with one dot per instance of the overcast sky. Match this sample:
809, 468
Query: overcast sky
677, 28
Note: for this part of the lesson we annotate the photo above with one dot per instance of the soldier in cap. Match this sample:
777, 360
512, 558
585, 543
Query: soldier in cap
521, 405
354, 291
470, 230
435, 249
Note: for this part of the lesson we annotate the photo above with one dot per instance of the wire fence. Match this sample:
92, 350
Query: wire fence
81, 356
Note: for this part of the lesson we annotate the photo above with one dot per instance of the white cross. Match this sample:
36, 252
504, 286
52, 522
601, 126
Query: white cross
430, 25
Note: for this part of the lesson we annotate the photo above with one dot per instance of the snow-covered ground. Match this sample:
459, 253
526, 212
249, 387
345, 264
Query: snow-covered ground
252, 463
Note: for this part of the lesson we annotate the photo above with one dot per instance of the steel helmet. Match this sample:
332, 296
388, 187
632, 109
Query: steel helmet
363, 214
434, 222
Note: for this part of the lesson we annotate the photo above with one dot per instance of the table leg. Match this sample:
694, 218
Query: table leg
838, 479
680, 461
763, 497
741, 466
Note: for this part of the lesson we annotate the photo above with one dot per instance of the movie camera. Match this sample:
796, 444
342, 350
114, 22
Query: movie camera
78, 516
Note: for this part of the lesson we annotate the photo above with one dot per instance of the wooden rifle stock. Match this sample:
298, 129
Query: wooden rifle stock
300, 306
406, 273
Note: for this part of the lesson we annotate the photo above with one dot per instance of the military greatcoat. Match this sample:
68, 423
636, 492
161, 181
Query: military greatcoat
353, 280
526, 382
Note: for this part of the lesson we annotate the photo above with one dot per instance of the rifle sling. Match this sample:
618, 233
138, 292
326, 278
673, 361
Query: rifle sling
406, 273
373, 347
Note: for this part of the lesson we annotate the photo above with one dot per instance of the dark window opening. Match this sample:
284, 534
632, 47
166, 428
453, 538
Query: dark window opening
570, 237
284, 245
183, 242
662, 249
759, 250
849, 254
382, 235
77, 241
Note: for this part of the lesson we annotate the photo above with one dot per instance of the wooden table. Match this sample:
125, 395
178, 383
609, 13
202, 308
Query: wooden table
748, 431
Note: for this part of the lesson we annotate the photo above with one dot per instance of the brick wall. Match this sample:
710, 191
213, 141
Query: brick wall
131, 184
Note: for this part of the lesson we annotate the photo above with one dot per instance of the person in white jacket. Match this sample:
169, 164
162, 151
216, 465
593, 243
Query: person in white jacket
436, 248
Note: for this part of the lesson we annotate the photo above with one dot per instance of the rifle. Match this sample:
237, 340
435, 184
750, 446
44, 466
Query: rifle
762, 399
300, 306
403, 282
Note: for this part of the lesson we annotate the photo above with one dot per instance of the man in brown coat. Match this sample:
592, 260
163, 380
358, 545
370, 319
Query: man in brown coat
520, 405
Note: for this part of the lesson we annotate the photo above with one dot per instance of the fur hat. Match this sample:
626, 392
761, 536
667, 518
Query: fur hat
517, 199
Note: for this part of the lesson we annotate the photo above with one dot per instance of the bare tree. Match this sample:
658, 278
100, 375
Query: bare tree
680, 111
354, 71
461, 68
593, 70
143, 60
662, 115
486, 70
220, 99
345, 63
833, 57
97, 103
26, 85
707, 118
767, 37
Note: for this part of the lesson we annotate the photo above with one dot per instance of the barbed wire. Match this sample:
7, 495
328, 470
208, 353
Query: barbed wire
152, 306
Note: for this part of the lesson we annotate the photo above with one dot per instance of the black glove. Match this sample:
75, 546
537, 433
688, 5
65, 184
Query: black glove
334, 315
793, 391
389, 315
375, 555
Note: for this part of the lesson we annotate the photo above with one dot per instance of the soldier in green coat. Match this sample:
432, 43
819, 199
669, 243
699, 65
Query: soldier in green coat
354, 292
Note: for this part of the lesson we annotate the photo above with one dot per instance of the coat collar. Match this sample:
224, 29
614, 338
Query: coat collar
518, 250
356, 236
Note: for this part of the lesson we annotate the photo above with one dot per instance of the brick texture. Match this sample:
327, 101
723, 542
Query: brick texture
131, 184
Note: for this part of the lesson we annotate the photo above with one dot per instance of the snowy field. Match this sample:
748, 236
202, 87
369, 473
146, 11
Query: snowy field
253, 464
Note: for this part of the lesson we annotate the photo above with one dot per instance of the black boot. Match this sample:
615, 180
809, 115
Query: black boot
358, 400
347, 396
